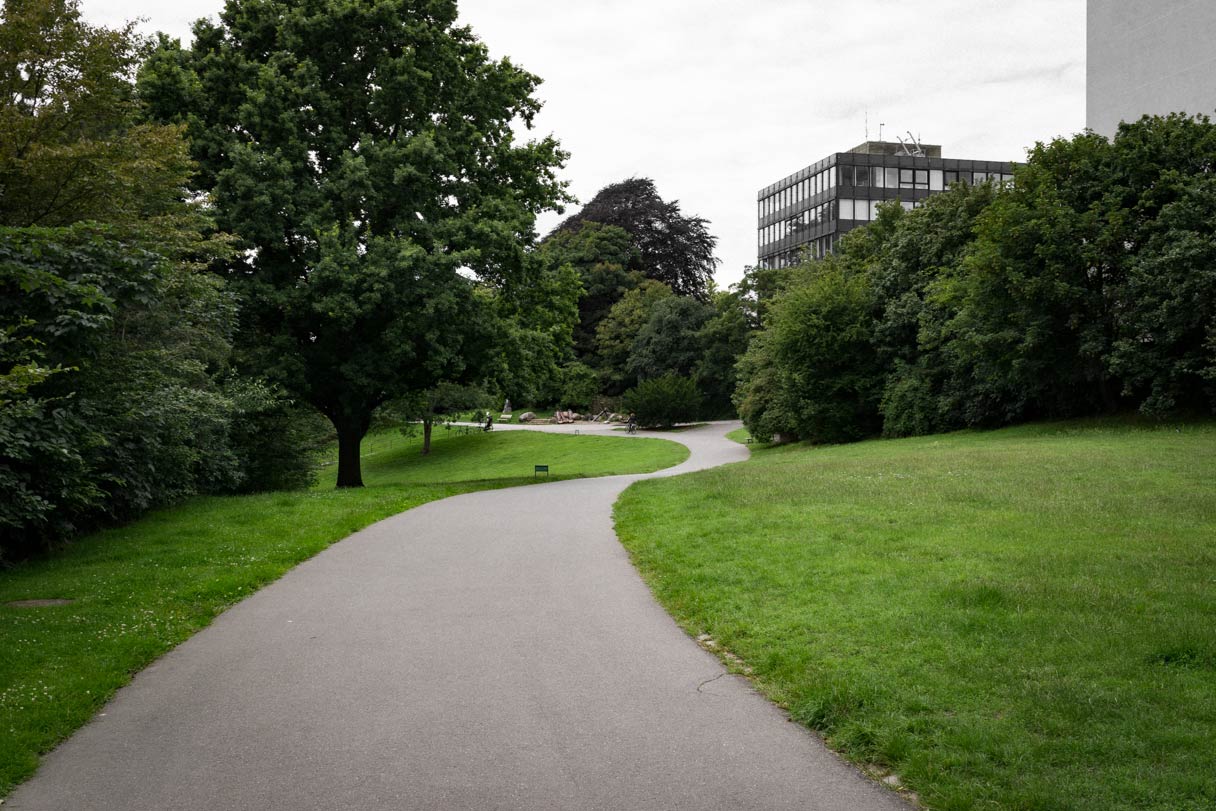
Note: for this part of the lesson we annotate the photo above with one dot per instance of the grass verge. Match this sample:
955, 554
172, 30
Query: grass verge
1018, 619
139, 590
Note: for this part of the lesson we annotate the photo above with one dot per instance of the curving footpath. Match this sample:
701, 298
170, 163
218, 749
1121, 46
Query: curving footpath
494, 650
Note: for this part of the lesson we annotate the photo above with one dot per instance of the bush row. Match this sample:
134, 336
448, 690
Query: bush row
114, 392
1088, 286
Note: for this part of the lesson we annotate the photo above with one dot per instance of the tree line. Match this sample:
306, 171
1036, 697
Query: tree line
320, 213
314, 213
648, 308
1086, 287
315, 208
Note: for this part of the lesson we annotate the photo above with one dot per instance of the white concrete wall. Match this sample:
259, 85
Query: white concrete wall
1149, 56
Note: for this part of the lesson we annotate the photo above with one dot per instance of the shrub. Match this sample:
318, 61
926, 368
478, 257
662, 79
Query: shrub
661, 402
815, 374
579, 385
275, 440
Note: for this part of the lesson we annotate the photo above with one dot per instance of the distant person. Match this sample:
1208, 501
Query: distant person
632, 426
489, 422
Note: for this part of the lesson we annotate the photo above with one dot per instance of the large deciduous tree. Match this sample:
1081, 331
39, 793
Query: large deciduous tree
601, 255
364, 151
669, 341
71, 145
618, 329
113, 338
670, 247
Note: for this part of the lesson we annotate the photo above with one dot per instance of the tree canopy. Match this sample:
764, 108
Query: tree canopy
601, 256
366, 155
1084, 288
670, 247
115, 394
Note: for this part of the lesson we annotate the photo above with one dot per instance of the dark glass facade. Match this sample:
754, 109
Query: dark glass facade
808, 212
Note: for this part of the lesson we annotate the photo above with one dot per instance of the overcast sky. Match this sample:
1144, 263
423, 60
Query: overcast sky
714, 99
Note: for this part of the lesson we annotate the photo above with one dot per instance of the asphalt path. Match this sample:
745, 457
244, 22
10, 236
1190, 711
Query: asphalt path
494, 650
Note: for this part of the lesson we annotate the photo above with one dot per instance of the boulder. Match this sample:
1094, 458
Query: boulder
527, 416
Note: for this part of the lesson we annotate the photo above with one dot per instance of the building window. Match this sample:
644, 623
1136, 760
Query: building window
846, 209
935, 180
905, 178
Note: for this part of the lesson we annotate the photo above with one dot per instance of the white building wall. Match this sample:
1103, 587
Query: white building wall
1148, 56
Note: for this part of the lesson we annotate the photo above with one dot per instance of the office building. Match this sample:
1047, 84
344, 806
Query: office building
1148, 58
809, 211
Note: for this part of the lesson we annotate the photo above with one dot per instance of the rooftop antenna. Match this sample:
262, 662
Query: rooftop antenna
911, 147
867, 123
880, 126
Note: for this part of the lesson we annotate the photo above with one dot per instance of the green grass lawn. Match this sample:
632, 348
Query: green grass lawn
740, 435
1018, 619
142, 589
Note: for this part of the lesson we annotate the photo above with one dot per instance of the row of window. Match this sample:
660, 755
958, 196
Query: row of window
843, 209
877, 177
866, 210
802, 190
797, 224
815, 249
891, 177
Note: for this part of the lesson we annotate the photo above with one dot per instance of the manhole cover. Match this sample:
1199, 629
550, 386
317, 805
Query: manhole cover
38, 603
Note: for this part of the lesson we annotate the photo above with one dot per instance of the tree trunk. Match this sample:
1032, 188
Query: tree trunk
350, 473
426, 436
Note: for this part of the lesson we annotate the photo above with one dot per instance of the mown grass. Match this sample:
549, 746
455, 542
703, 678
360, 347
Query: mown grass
142, 589
1021, 619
